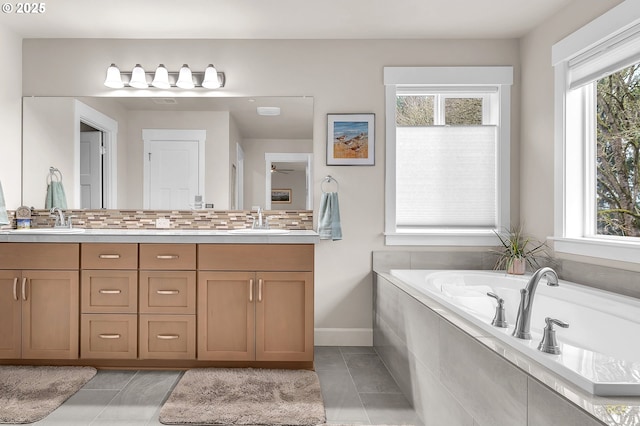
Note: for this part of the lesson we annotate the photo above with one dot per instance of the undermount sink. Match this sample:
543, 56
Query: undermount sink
48, 231
251, 231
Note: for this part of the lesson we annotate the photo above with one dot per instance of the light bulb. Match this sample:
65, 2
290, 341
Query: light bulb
185, 78
138, 78
210, 80
114, 79
161, 78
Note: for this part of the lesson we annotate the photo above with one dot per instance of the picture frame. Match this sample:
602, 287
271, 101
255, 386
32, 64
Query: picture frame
281, 196
350, 139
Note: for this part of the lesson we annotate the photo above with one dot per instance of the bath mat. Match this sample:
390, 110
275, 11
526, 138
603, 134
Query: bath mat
28, 394
245, 396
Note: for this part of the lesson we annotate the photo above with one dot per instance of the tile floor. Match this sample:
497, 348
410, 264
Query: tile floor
356, 387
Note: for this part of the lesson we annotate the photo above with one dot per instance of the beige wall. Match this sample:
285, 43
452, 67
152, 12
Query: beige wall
10, 117
537, 143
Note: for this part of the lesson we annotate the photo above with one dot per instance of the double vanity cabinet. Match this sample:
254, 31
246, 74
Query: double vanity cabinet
157, 304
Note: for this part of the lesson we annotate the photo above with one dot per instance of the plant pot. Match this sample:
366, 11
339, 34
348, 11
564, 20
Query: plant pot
517, 266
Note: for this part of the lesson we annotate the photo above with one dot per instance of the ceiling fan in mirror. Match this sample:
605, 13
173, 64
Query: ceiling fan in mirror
274, 169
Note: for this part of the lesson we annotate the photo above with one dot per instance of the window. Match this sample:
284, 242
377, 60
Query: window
447, 180
598, 137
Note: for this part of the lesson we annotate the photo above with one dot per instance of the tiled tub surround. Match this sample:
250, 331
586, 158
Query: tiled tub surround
455, 374
596, 353
178, 219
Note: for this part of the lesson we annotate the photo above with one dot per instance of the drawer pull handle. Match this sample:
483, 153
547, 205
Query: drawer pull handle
109, 256
168, 292
251, 290
109, 336
260, 290
167, 336
24, 289
167, 256
110, 291
15, 288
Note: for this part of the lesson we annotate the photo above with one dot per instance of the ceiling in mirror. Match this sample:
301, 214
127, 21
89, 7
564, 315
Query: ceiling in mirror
295, 120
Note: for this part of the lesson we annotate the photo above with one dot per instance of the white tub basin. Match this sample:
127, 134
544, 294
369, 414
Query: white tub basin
250, 231
48, 231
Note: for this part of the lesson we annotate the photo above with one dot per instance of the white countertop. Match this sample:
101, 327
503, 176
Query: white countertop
161, 236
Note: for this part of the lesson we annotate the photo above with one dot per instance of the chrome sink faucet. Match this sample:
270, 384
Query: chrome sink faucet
260, 222
523, 319
61, 221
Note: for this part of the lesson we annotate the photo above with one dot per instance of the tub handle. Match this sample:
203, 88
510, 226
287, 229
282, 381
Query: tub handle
549, 344
499, 319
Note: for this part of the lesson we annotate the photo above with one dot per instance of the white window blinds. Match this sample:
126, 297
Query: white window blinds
446, 176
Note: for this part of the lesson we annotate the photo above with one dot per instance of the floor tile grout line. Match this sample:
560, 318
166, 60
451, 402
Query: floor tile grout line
366, 412
114, 397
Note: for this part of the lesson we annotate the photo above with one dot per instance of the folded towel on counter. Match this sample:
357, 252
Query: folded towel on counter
329, 226
55, 196
4, 217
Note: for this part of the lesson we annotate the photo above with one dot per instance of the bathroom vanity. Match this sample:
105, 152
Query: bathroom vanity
172, 299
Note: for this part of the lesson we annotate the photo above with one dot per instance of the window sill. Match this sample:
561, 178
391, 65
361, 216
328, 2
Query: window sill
612, 250
473, 239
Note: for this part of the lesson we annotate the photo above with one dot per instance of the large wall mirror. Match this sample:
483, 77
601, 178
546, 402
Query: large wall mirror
168, 153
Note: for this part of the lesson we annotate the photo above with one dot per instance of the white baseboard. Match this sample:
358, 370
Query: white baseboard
343, 337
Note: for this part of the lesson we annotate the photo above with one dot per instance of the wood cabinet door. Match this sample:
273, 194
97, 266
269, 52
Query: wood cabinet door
10, 308
284, 316
226, 316
50, 314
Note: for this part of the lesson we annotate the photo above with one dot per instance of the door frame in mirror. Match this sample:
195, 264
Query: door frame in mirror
109, 127
273, 157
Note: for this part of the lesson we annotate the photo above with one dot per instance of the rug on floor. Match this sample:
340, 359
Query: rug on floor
245, 396
29, 394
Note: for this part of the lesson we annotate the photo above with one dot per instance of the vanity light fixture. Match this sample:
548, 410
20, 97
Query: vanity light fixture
114, 79
164, 79
185, 78
161, 78
138, 78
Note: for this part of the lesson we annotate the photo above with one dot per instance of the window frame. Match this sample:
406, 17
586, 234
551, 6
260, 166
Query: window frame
574, 151
500, 79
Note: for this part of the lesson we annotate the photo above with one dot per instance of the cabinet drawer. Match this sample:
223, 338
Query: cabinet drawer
168, 256
109, 291
255, 257
167, 336
109, 256
109, 336
39, 256
170, 292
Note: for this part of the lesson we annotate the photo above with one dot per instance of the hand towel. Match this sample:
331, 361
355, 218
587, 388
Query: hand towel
4, 217
329, 226
55, 196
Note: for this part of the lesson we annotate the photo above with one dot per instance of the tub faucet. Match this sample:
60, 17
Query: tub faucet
523, 319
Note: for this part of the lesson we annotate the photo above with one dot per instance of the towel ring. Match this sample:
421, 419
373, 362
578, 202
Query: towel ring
328, 179
55, 175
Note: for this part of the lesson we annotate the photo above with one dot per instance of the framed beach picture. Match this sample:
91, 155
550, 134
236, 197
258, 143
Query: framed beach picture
350, 139
280, 196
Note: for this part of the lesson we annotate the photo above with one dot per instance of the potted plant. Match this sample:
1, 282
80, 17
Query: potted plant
518, 251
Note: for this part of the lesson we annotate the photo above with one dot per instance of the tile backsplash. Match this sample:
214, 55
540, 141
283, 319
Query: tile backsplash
178, 219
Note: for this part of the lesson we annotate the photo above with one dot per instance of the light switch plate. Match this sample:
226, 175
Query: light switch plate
163, 222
